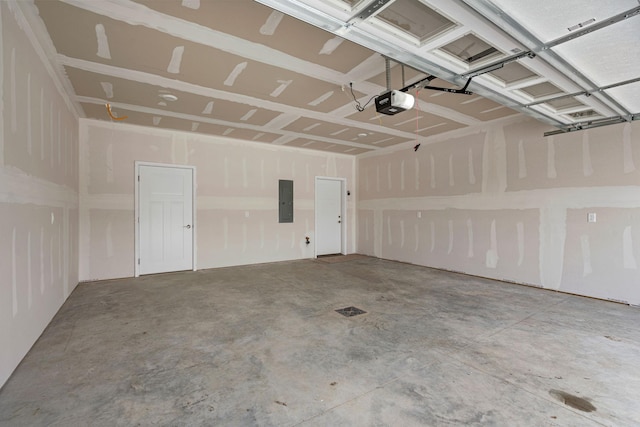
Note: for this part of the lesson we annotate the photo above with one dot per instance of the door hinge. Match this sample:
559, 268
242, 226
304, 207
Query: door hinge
138, 261
138, 178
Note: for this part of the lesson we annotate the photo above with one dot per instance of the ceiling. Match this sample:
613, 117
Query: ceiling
291, 72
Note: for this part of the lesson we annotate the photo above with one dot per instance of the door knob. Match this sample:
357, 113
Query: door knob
187, 226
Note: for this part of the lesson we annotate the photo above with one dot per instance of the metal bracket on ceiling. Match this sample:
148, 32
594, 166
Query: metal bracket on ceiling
593, 27
584, 92
419, 84
498, 64
517, 31
590, 124
371, 9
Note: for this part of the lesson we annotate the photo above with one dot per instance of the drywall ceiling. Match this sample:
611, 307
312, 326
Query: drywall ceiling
282, 72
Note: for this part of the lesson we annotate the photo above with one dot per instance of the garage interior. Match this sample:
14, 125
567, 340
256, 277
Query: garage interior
489, 235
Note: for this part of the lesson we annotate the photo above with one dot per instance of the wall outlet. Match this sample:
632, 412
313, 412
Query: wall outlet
419, 214
591, 217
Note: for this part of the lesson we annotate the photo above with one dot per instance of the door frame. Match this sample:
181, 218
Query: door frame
136, 219
343, 213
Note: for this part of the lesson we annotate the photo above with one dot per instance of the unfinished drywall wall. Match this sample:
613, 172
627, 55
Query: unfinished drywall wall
236, 196
502, 201
38, 191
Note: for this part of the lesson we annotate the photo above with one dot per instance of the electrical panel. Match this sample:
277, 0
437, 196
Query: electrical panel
285, 189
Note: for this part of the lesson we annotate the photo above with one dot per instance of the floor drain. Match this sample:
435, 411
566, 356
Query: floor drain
350, 311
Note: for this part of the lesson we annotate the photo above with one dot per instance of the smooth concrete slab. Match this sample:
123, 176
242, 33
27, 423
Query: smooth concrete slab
262, 345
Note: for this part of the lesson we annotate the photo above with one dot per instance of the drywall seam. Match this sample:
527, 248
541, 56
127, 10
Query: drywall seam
470, 238
432, 229
27, 16
367, 179
42, 102
17, 187
569, 198
553, 232
138, 14
103, 42
65, 241
586, 255
42, 260
472, 129
587, 167
51, 139
367, 234
271, 24
176, 60
143, 77
451, 177
494, 162
377, 232
29, 278
14, 96
627, 151
59, 139
472, 172
191, 4
352, 207
522, 160
209, 139
244, 237
235, 73
225, 232
84, 225
551, 158
14, 273
29, 117
629, 259
492, 258
283, 85
1, 92
51, 253
520, 234
223, 203
432, 171
331, 45
158, 114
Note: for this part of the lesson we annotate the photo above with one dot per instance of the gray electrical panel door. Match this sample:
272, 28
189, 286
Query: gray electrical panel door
285, 200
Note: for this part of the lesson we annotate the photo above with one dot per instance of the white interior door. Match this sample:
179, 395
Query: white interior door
165, 196
329, 219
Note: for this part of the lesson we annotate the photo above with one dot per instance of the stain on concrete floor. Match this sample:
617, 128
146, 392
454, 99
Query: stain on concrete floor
575, 402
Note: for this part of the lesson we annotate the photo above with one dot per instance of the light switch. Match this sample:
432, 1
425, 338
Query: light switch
419, 214
591, 217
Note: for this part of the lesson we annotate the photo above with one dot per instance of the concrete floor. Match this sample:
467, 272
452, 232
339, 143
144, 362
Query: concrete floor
262, 345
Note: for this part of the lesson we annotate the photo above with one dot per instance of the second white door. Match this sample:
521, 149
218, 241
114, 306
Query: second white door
329, 221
